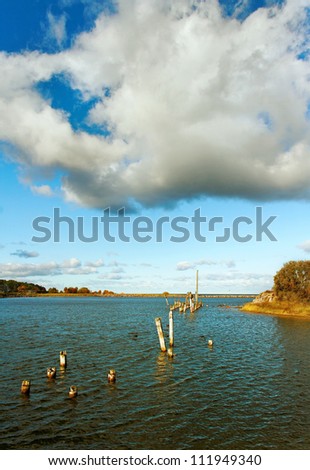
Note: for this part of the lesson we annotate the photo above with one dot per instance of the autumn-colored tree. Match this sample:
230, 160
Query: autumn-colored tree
70, 290
292, 281
84, 290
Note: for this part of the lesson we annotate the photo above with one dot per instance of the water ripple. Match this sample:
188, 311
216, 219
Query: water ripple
251, 390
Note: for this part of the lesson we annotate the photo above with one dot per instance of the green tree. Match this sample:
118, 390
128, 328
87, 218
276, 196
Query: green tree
292, 281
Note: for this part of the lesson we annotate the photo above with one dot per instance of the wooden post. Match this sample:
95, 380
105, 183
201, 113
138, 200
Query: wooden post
63, 358
73, 391
171, 338
170, 353
112, 376
196, 295
160, 334
25, 388
51, 373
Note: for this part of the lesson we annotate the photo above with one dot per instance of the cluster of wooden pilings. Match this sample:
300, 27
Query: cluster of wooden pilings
51, 375
161, 336
190, 305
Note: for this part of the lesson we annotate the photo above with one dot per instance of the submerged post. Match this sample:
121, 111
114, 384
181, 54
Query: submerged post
160, 334
63, 358
170, 353
171, 338
112, 376
51, 373
25, 388
73, 391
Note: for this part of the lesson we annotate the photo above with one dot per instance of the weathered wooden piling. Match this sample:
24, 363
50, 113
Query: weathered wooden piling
51, 373
170, 353
112, 376
196, 293
160, 334
25, 388
73, 391
63, 358
171, 337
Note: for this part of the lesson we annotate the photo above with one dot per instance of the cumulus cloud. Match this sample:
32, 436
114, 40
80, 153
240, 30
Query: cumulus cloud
42, 190
194, 103
52, 268
95, 264
25, 254
305, 246
185, 265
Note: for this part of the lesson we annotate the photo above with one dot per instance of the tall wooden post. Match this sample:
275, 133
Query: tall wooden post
196, 294
171, 338
160, 334
63, 358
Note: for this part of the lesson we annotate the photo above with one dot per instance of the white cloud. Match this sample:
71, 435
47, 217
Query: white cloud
305, 246
23, 270
95, 264
42, 190
199, 105
71, 263
25, 254
185, 265
56, 28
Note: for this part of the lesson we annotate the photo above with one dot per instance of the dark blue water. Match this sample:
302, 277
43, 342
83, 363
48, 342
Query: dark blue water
250, 391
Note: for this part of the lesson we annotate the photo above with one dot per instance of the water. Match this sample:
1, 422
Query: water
250, 391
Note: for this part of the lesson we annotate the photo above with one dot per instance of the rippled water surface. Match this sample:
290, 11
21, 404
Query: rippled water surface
250, 391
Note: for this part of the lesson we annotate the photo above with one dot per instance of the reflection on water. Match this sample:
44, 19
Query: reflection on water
249, 390
164, 369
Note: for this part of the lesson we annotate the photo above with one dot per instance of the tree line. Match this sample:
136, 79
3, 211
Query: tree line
12, 288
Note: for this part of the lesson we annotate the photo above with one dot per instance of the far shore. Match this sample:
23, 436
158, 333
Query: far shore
123, 294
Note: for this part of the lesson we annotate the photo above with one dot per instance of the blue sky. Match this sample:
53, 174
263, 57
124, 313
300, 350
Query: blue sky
163, 108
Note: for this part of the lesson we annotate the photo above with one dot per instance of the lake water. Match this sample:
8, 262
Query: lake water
250, 391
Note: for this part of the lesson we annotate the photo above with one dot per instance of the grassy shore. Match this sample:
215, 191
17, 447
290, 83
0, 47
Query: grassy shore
281, 308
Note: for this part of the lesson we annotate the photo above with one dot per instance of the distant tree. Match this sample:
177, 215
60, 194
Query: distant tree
71, 290
84, 290
13, 285
165, 294
53, 290
107, 292
292, 281
21, 289
4, 289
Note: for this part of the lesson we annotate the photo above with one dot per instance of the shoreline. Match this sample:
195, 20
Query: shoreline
281, 309
123, 295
